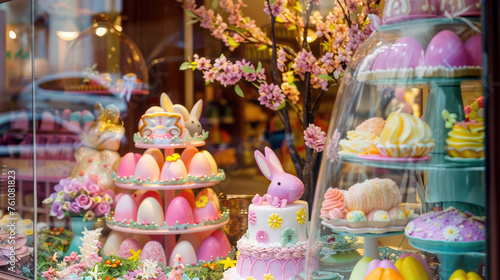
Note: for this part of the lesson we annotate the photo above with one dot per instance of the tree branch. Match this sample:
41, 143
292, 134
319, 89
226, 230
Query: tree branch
317, 102
345, 15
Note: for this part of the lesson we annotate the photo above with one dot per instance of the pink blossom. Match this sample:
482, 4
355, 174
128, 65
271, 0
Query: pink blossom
281, 59
328, 62
276, 8
102, 208
252, 217
202, 63
304, 62
332, 152
84, 202
315, 138
49, 273
74, 208
92, 188
73, 257
271, 96
57, 210
261, 236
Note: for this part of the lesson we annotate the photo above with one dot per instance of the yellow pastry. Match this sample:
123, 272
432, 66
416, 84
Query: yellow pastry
466, 140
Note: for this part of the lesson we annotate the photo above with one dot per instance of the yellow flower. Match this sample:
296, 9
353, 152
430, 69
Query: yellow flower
250, 278
275, 221
228, 262
268, 276
135, 255
173, 157
97, 199
202, 201
301, 216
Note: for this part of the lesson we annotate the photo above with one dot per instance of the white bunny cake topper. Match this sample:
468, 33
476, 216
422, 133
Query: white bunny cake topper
161, 121
284, 188
191, 119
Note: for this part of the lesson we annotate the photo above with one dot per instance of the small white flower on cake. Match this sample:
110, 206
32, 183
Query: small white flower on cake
410, 227
451, 233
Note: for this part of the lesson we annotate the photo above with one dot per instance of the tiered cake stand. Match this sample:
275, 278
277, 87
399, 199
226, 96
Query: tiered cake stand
169, 189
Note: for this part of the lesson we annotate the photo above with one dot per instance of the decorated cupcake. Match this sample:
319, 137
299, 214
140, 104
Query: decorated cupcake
362, 139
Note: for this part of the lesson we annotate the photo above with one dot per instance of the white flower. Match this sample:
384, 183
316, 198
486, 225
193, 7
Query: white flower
94, 272
149, 270
451, 233
410, 227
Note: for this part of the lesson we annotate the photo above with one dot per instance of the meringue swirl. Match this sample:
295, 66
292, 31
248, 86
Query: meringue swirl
334, 199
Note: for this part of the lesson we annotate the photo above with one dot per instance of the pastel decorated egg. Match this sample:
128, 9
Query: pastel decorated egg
126, 209
406, 52
150, 211
180, 211
205, 210
113, 242
75, 117
380, 61
153, 251
186, 250
141, 239
140, 195
212, 162
115, 200
209, 249
225, 246
200, 166
157, 155
396, 213
212, 196
359, 270
474, 47
356, 216
378, 216
188, 194
396, 11
379, 263
412, 266
446, 49
65, 114
87, 117
147, 168
188, 154
173, 170
127, 245
193, 238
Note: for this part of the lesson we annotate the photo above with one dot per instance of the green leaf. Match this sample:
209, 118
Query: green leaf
248, 69
237, 29
259, 67
232, 42
271, 2
325, 76
291, 27
9, 55
298, 7
191, 14
360, 10
262, 48
279, 19
192, 21
215, 4
281, 106
185, 66
238, 91
353, 17
207, 82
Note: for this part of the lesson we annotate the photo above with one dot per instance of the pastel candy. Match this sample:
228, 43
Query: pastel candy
126, 209
75, 117
211, 160
150, 211
153, 251
379, 263
446, 49
209, 249
173, 170
113, 242
127, 245
188, 154
180, 211
127, 165
147, 167
140, 195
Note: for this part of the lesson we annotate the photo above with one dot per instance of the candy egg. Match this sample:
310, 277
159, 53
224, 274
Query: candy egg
180, 211
225, 246
127, 165
140, 195
147, 167
212, 196
446, 49
113, 242
396, 213
211, 160
173, 170
150, 211
379, 263
127, 245
154, 252
193, 238
406, 52
126, 209
188, 194
186, 250
474, 47
157, 155
205, 211
209, 249
200, 166
188, 154
380, 61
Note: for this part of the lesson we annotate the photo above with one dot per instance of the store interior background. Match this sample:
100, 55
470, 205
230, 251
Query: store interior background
238, 126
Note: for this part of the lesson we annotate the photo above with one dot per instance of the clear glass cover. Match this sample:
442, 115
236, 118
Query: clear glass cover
406, 137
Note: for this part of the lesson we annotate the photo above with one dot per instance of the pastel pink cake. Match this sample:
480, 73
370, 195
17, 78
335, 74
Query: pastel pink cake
447, 225
275, 243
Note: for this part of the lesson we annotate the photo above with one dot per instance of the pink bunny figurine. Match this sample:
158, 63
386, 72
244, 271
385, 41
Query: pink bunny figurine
284, 188
177, 269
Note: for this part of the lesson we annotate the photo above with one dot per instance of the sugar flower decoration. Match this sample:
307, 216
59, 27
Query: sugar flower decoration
315, 138
135, 255
173, 157
250, 278
275, 221
301, 216
228, 263
252, 217
451, 233
268, 276
449, 119
202, 201
410, 227
332, 152
261, 236
288, 237
89, 251
148, 270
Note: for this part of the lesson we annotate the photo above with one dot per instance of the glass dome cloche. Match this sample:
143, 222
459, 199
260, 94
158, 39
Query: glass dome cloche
402, 177
103, 60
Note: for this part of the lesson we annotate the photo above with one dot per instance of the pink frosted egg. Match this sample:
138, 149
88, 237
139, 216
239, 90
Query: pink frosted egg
208, 212
180, 211
209, 249
446, 49
474, 47
126, 209
212, 196
212, 162
127, 245
153, 251
188, 154
188, 194
115, 238
200, 166
173, 170
150, 211
140, 195
225, 246
186, 250
157, 155
406, 52
147, 167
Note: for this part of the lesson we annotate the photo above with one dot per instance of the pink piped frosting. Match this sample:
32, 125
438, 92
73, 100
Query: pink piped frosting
336, 214
334, 199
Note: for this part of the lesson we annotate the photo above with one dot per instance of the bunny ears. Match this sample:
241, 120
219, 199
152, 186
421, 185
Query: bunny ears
270, 165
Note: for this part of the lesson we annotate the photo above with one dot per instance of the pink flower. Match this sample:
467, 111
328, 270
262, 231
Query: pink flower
281, 59
315, 138
252, 217
202, 63
328, 62
304, 62
74, 208
84, 202
332, 152
92, 188
49, 273
102, 208
276, 8
72, 187
73, 257
261, 236
57, 210
271, 96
